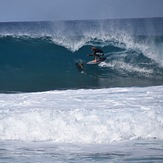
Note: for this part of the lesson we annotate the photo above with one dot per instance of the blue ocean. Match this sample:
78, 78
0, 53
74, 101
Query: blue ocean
54, 110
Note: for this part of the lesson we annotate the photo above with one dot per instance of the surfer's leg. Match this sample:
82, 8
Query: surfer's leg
95, 59
98, 58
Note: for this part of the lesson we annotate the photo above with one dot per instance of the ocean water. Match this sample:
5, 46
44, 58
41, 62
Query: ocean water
51, 110
42, 56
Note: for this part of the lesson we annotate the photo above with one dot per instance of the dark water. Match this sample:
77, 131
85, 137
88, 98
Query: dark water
39, 56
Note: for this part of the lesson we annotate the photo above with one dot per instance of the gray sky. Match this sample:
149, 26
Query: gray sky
36, 10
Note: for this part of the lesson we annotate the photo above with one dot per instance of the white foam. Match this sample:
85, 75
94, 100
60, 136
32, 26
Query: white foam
83, 116
126, 67
70, 43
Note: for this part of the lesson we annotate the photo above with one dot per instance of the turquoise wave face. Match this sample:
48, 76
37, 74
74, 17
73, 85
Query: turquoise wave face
46, 59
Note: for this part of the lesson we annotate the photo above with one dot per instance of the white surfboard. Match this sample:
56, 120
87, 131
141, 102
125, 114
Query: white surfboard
93, 62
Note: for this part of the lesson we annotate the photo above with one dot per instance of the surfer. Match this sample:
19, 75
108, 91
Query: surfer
80, 65
97, 53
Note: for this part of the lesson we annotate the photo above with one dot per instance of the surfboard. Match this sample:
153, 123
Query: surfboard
93, 62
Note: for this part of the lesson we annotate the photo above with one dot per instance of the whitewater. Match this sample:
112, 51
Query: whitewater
104, 122
53, 111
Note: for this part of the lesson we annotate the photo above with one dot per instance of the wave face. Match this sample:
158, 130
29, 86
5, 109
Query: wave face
39, 56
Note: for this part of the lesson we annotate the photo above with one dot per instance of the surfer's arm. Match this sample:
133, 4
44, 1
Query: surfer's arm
93, 54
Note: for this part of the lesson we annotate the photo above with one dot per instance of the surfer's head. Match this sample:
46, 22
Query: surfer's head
93, 48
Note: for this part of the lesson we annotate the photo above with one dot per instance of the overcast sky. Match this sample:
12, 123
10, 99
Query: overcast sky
36, 10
